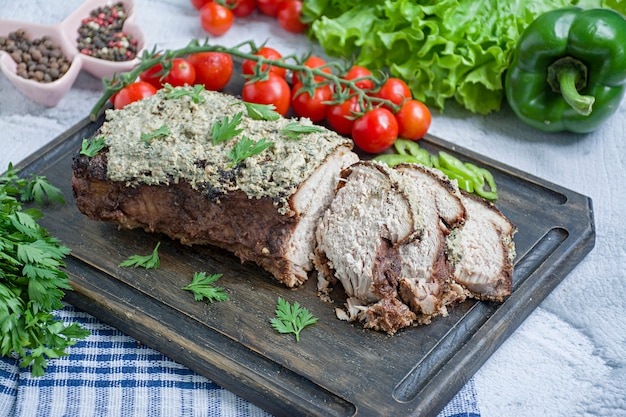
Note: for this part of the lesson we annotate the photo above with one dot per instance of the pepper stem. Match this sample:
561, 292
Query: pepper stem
567, 76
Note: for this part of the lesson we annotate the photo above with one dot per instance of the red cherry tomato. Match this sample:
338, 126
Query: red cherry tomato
150, 76
394, 90
315, 107
341, 116
375, 131
181, 73
199, 3
311, 62
357, 72
216, 19
133, 92
242, 8
268, 7
213, 69
274, 90
413, 120
288, 15
248, 65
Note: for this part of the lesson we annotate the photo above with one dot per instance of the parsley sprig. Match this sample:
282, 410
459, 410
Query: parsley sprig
150, 261
162, 131
32, 281
291, 318
245, 148
294, 130
195, 92
92, 147
202, 287
226, 129
261, 111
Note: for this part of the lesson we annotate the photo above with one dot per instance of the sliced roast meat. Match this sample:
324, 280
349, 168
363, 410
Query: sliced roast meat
384, 239
394, 273
186, 185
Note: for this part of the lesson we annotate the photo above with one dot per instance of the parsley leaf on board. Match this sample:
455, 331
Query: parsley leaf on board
202, 287
245, 148
144, 261
291, 318
32, 282
293, 130
226, 129
92, 147
261, 111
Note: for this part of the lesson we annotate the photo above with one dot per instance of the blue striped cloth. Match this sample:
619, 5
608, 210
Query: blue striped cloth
111, 374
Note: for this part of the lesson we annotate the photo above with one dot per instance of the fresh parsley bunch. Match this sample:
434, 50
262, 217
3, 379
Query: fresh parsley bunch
32, 282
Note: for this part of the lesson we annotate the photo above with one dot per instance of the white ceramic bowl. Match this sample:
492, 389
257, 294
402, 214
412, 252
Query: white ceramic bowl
64, 35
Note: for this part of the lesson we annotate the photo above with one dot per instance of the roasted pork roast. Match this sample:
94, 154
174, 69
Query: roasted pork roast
404, 243
161, 171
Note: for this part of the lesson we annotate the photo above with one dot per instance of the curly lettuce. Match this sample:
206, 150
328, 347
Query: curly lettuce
444, 50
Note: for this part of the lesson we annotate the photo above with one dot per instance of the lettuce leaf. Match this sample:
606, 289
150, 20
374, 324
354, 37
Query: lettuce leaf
444, 50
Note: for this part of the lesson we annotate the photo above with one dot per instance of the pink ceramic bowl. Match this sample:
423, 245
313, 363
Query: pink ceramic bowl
64, 35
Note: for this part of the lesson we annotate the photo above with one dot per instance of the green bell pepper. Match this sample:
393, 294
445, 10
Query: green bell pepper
569, 70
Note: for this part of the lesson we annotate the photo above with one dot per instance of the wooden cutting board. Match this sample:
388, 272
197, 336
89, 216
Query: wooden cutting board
337, 368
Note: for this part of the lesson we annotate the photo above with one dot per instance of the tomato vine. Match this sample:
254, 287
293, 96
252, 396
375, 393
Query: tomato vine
331, 73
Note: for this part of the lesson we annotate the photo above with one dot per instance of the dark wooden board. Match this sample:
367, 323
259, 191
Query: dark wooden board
337, 368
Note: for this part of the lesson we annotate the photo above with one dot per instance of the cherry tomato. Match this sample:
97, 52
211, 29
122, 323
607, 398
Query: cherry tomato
268, 7
216, 19
242, 8
181, 73
150, 76
375, 131
341, 116
394, 90
311, 62
274, 90
413, 120
133, 92
213, 69
248, 65
313, 107
288, 15
357, 72
199, 3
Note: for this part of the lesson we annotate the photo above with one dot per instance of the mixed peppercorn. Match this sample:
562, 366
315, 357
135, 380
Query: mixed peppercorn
101, 35
37, 59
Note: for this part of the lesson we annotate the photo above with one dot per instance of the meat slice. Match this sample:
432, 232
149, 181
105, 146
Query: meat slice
372, 214
426, 283
264, 209
485, 251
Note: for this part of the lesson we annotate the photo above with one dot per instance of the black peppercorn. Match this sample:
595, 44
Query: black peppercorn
33, 56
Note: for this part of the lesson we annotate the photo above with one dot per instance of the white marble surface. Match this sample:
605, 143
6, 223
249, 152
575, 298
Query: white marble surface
569, 357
